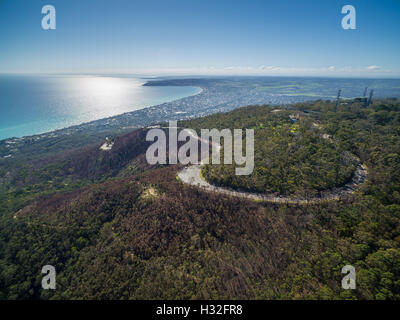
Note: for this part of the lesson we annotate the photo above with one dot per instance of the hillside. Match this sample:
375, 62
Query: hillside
116, 228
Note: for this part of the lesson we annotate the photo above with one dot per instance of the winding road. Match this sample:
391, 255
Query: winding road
191, 175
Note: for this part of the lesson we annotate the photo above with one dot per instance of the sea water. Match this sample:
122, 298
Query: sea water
37, 104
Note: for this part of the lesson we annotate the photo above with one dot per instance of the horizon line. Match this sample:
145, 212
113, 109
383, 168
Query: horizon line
212, 75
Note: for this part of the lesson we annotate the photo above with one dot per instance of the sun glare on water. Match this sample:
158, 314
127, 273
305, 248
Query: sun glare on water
108, 86
105, 96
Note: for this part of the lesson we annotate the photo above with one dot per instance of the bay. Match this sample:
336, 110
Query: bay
37, 104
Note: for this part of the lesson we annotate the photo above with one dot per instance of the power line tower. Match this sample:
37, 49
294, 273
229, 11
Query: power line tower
371, 93
338, 99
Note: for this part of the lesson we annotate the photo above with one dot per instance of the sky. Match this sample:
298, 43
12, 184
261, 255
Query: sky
213, 37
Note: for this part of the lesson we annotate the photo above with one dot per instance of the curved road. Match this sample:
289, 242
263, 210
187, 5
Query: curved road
192, 175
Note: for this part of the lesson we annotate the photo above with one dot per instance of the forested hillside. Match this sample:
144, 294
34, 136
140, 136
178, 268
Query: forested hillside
294, 155
116, 228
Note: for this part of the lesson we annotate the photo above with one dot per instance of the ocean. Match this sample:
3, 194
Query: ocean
37, 104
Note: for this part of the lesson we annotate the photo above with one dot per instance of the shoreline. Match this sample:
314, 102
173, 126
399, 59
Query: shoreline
110, 118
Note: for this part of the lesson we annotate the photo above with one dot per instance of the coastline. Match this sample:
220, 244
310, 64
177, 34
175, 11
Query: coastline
82, 125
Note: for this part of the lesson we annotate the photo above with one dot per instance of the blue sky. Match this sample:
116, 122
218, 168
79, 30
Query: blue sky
285, 37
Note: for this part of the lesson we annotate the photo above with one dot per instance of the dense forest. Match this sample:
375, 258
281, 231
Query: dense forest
116, 228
